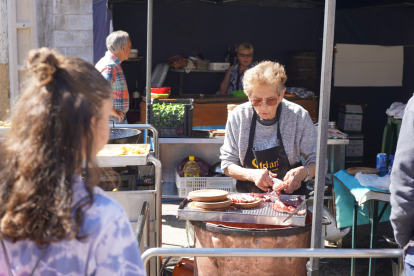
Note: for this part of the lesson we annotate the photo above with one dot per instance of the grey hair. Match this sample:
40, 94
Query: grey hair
116, 40
265, 73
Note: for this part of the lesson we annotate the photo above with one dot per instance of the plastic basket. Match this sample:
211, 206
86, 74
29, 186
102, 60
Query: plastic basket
172, 126
239, 94
185, 185
201, 64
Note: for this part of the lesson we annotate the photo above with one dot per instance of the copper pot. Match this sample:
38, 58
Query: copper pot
240, 235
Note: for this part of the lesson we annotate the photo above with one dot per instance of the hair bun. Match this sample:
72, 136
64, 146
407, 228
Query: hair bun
43, 64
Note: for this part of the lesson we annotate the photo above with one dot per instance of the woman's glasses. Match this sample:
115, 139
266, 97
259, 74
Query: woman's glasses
269, 101
245, 55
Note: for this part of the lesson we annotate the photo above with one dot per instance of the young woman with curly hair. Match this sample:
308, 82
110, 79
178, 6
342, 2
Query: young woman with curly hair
53, 222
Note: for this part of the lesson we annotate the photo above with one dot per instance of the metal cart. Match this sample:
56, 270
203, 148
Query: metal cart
136, 203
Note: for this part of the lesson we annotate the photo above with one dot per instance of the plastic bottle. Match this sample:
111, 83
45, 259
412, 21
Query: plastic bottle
191, 168
135, 95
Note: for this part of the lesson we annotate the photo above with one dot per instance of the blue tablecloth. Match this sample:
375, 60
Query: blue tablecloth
346, 190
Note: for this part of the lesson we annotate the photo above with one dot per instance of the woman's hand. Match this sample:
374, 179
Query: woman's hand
279, 185
262, 179
293, 179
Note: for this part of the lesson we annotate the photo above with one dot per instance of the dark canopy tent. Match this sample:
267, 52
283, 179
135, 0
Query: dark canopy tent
275, 28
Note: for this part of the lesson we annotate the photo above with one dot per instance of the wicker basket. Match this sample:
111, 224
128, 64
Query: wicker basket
201, 64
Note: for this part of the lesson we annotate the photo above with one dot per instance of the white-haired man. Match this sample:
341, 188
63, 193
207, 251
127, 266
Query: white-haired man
119, 46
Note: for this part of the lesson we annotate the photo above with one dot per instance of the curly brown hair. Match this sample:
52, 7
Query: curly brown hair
50, 138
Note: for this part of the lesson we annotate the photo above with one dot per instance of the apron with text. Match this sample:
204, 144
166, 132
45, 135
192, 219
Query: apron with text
274, 159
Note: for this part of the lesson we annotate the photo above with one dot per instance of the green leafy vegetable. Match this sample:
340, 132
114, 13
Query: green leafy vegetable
168, 115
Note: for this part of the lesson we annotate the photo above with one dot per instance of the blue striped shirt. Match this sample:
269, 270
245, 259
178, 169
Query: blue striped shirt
109, 249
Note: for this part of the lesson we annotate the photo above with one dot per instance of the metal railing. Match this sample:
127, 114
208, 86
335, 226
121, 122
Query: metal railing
274, 253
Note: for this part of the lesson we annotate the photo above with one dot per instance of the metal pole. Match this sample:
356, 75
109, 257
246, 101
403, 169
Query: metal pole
354, 232
149, 63
374, 232
149, 52
326, 76
158, 206
273, 253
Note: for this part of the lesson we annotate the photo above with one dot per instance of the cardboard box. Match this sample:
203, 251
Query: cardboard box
350, 118
354, 151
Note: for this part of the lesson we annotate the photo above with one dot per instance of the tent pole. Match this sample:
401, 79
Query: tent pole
148, 102
149, 55
325, 95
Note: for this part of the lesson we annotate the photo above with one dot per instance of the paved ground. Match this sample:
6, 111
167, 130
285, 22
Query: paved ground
174, 235
173, 230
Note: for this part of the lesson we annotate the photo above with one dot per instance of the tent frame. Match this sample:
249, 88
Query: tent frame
324, 102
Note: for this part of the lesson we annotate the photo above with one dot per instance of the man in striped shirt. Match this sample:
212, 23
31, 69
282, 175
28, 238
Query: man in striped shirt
119, 46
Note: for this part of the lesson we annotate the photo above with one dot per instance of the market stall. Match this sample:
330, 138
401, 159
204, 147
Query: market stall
324, 96
323, 122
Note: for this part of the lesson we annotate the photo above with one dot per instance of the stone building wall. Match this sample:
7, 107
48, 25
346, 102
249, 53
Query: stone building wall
73, 28
66, 25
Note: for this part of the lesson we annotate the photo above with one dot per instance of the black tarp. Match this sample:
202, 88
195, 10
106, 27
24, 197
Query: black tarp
208, 29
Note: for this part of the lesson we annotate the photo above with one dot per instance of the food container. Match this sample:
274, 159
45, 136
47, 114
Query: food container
160, 90
239, 94
123, 136
219, 66
254, 236
185, 185
133, 53
160, 96
262, 214
169, 124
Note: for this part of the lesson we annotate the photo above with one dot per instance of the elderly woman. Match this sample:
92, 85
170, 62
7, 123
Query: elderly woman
266, 136
234, 75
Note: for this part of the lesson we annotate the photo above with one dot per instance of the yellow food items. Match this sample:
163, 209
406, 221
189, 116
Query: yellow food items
127, 150
5, 124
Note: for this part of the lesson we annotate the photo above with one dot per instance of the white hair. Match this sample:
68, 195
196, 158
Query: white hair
116, 40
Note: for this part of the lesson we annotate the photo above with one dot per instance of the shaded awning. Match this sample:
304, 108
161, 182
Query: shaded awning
300, 4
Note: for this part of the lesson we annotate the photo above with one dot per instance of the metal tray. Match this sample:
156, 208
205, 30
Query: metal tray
120, 161
262, 214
